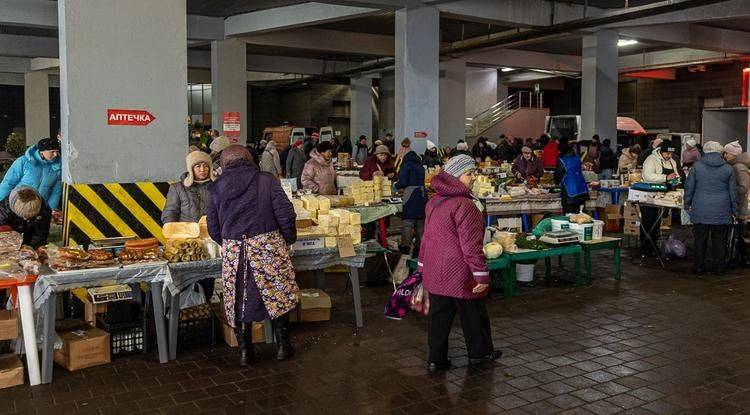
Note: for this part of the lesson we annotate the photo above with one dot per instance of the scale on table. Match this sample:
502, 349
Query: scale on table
110, 293
560, 237
111, 243
393, 200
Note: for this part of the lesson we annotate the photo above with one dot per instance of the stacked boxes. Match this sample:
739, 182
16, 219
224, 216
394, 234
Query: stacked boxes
612, 218
632, 220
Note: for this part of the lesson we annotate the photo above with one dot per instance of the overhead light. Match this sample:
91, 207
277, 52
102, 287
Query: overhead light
507, 69
626, 42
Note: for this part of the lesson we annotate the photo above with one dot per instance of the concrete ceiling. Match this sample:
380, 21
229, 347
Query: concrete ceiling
225, 8
613, 4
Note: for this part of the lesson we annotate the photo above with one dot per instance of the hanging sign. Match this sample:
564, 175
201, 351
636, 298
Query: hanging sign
420, 134
129, 117
231, 125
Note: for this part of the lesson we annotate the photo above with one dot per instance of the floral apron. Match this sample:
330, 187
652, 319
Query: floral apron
258, 265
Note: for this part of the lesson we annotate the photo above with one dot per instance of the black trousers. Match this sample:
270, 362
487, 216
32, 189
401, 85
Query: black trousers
475, 322
718, 235
651, 224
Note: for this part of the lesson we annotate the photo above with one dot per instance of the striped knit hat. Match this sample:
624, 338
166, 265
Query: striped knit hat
459, 165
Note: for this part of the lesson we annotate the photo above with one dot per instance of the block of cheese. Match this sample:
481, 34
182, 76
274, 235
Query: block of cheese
326, 220
355, 218
310, 203
343, 229
357, 239
332, 231
342, 214
330, 242
324, 203
297, 203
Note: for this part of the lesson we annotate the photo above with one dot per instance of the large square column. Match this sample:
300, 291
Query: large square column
361, 108
229, 88
452, 103
123, 80
36, 105
417, 72
599, 86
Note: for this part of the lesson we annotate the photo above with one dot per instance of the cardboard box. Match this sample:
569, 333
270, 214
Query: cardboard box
8, 325
611, 225
667, 220
11, 371
612, 212
83, 347
227, 332
90, 310
314, 305
632, 228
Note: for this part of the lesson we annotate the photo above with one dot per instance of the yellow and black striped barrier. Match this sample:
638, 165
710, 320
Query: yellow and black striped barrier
109, 210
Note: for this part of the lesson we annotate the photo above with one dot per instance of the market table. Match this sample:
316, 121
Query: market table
523, 255
49, 283
598, 245
521, 207
614, 193
498, 264
21, 289
179, 276
369, 214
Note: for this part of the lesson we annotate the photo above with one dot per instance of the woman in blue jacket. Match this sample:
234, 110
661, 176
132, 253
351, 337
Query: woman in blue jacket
411, 181
39, 169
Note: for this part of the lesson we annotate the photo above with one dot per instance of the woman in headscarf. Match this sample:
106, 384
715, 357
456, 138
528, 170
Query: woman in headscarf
270, 161
254, 221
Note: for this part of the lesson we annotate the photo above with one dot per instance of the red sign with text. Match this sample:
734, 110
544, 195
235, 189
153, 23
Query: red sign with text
420, 134
231, 125
129, 117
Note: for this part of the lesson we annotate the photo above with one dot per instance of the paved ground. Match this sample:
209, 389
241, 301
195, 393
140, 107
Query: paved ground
659, 342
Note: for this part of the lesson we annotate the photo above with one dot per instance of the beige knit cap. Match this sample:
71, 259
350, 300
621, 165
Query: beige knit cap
25, 202
191, 160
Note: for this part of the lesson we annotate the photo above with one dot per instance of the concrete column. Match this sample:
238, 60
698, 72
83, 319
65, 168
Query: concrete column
417, 73
481, 90
36, 105
361, 108
387, 93
452, 102
599, 86
502, 92
229, 84
128, 55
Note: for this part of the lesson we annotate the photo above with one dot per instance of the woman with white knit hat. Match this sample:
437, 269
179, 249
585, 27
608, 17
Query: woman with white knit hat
187, 200
740, 162
26, 213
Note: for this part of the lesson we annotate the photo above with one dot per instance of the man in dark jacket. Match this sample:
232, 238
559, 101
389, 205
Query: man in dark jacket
607, 160
504, 150
411, 182
295, 162
26, 213
346, 146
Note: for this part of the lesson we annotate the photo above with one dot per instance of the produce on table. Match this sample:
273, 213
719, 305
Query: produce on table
185, 250
493, 250
581, 218
523, 242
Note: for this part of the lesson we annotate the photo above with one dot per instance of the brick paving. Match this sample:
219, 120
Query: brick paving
660, 342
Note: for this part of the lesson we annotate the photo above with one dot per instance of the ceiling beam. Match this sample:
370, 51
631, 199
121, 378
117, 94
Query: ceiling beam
327, 40
673, 58
693, 36
30, 13
204, 28
201, 59
29, 46
517, 13
288, 17
524, 59
730, 9
14, 65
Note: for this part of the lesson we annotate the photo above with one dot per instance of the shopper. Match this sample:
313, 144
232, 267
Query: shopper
346, 145
691, 154
26, 213
628, 159
711, 200
310, 143
254, 221
647, 151
659, 168
461, 148
39, 168
607, 160
431, 156
740, 162
378, 164
390, 143
569, 176
550, 153
527, 165
454, 267
361, 152
270, 161
216, 147
411, 183
590, 156
481, 150
402, 151
187, 199
295, 162
319, 174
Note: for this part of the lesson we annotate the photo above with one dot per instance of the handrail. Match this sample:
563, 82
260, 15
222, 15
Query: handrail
501, 110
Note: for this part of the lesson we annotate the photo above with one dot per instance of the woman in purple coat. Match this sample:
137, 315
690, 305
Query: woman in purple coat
254, 221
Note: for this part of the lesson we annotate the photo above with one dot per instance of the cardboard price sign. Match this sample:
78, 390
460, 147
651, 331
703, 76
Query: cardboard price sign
346, 246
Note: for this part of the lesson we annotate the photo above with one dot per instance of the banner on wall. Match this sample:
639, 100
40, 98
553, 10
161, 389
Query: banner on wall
138, 118
420, 134
231, 125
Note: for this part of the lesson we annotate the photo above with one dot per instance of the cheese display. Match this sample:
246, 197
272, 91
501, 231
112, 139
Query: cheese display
483, 186
365, 192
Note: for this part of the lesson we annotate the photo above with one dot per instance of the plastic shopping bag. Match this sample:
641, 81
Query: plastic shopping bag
401, 271
674, 247
420, 300
398, 305
192, 296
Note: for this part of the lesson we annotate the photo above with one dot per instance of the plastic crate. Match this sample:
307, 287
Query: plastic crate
196, 333
127, 337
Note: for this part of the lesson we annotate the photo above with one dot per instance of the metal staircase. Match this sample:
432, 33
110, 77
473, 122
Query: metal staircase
491, 116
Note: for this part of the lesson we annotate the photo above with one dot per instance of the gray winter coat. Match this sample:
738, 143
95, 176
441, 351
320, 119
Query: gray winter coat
295, 162
711, 191
185, 204
741, 166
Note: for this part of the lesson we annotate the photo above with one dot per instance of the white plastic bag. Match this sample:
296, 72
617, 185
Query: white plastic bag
191, 298
401, 271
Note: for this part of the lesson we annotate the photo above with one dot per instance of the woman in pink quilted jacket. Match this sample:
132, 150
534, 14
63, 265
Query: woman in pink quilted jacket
454, 267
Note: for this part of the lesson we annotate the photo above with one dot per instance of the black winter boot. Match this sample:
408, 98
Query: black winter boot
281, 329
245, 340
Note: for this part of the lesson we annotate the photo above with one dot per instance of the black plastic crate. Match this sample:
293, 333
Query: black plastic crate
126, 335
196, 332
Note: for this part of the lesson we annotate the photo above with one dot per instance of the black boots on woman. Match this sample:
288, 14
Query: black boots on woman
249, 354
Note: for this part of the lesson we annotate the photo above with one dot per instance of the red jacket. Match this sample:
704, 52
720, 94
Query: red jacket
451, 256
550, 155
373, 164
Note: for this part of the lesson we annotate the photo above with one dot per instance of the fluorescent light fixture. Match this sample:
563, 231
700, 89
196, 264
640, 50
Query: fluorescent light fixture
507, 69
626, 42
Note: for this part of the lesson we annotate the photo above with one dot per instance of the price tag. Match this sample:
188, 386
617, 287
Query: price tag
346, 247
